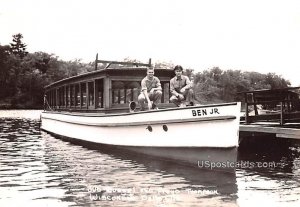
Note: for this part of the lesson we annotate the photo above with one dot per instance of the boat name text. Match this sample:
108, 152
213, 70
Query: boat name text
205, 112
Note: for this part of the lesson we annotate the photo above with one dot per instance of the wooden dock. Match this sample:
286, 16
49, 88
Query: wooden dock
272, 111
291, 131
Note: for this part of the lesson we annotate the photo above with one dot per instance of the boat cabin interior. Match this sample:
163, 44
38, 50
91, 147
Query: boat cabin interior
281, 105
108, 89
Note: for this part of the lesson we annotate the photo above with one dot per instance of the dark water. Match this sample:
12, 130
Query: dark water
37, 169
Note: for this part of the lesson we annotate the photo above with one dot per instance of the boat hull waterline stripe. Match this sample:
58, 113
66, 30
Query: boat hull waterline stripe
220, 118
89, 114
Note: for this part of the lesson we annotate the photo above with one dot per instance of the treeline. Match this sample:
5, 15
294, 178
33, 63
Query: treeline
216, 85
23, 76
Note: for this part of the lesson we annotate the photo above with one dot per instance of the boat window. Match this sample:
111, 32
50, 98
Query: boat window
99, 93
166, 91
58, 102
65, 96
91, 93
61, 97
77, 95
68, 96
49, 99
125, 91
53, 98
117, 86
83, 94
72, 95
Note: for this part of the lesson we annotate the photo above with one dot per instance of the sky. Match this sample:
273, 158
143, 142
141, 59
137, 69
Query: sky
246, 35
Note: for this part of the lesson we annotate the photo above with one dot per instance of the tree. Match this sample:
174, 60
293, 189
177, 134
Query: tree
164, 65
4, 71
41, 61
276, 81
18, 48
206, 88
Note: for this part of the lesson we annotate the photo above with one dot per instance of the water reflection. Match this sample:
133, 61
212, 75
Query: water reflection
276, 183
37, 169
154, 181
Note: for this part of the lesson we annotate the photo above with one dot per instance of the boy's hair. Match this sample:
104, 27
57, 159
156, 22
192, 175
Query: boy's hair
178, 67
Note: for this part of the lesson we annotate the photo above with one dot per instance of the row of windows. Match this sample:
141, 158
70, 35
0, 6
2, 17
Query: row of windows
90, 94
126, 91
80, 95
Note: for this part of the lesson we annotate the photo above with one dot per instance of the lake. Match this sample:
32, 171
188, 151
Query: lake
37, 169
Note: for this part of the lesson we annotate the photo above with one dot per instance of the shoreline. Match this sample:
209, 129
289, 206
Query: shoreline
20, 113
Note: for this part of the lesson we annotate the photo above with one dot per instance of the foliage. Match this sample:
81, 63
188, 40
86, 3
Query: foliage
18, 48
24, 75
216, 85
163, 65
4, 71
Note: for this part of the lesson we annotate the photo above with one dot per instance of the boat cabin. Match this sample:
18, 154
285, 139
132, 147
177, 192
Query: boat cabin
108, 89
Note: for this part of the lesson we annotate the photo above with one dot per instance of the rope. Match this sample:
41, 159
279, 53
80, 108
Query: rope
46, 102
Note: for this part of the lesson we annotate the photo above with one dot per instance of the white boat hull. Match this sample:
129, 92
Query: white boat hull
170, 127
180, 130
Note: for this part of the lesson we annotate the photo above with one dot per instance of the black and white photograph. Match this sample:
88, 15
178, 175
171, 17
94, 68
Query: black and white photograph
151, 103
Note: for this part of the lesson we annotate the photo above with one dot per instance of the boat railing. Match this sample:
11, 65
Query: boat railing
130, 63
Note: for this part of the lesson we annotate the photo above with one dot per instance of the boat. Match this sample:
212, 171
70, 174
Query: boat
99, 108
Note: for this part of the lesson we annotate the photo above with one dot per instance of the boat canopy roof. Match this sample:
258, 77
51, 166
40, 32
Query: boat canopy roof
114, 68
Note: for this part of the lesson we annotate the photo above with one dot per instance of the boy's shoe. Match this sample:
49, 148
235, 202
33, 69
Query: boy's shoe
182, 105
154, 107
191, 103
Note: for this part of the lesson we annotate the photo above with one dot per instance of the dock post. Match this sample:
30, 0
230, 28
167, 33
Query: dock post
246, 108
96, 62
254, 102
281, 113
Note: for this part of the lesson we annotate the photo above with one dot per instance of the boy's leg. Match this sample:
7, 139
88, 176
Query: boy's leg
141, 100
175, 100
155, 97
188, 94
